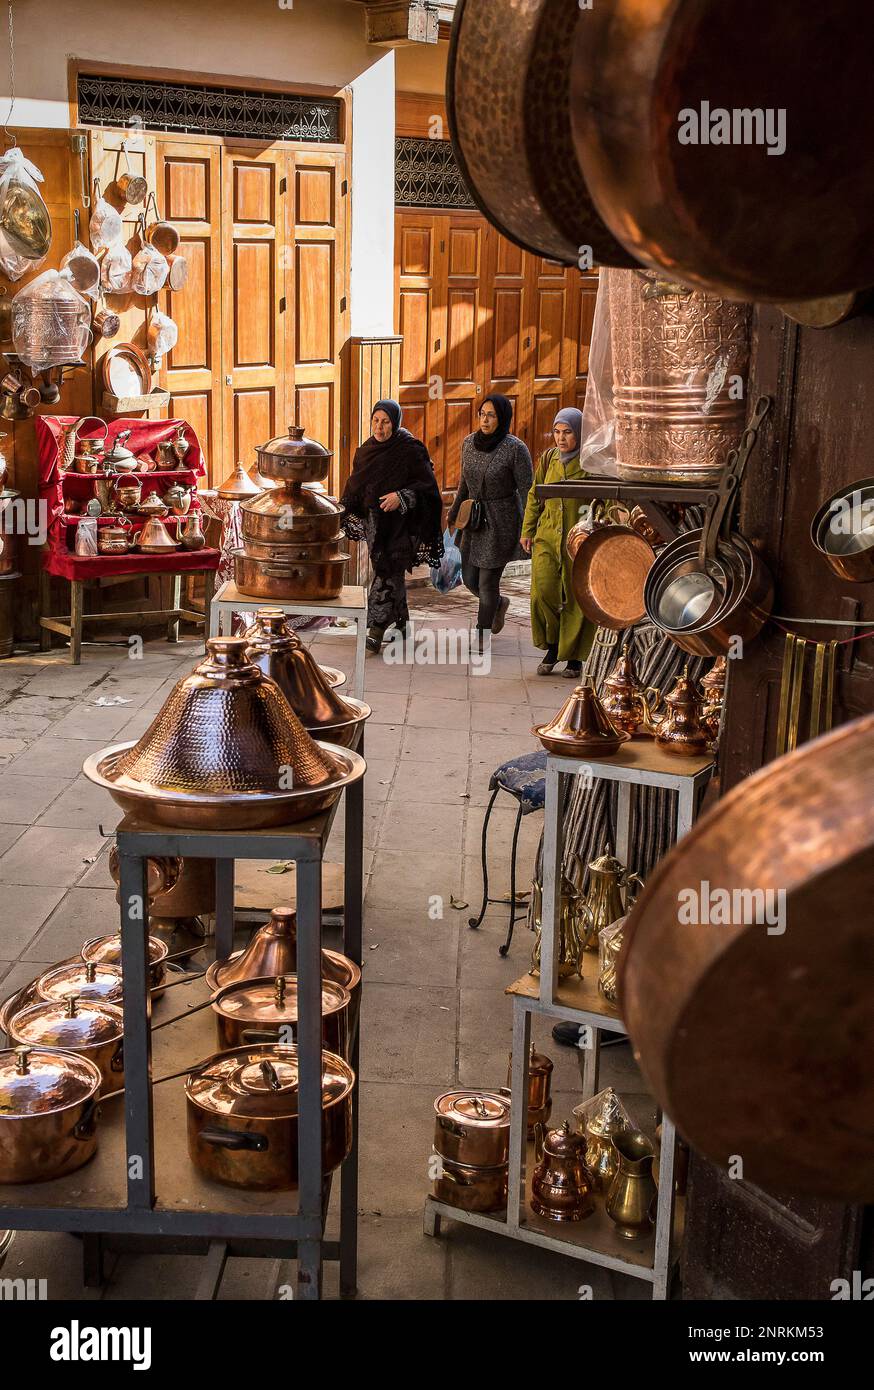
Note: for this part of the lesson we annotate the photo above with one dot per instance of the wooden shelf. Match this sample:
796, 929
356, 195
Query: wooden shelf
595, 488
580, 993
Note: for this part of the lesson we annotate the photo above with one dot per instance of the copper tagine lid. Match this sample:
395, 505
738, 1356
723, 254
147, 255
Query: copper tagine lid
263, 1081
291, 457
281, 655
581, 728
225, 729
82, 979
37, 1082
713, 681
73, 1024
238, 485
273, 951
273, 1001
257, 477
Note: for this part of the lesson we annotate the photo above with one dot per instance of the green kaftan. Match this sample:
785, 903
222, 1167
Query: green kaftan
556, 618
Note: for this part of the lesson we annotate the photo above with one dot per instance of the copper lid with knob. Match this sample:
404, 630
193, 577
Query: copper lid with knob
291, 457
73, 1023
273, 952
273, 1000
86, 980
263, 1082
36, 1081
581, 728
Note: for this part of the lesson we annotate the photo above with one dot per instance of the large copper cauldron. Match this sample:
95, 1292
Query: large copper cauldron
243, 1114
508, 100
226, 751
677, 359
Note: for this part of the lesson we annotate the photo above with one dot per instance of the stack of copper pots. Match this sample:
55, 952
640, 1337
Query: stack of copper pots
291, 533
472, 1149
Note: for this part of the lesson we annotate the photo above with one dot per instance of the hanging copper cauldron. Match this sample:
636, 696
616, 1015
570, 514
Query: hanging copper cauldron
226, 751
281, 655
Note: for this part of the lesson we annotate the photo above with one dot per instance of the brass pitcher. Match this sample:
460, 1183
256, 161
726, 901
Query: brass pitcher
570, 943
633, 1193
603, 904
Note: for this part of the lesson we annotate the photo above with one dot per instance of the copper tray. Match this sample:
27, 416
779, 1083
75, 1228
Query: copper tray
759, 1044
228, 811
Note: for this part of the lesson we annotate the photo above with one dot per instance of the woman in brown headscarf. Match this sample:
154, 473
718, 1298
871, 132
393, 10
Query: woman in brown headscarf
393, 504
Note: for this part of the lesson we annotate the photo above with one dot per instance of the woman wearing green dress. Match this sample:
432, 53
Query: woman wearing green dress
557, 622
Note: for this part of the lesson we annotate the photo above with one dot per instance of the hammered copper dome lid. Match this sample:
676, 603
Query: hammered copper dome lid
73, 1024
39, 1081
281, 655
581, 728
226, 728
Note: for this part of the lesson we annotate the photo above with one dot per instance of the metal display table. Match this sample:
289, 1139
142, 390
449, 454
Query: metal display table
579, 1000
130, 1194
351, 605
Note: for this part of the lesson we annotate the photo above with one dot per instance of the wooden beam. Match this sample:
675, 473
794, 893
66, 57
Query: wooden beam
399, 23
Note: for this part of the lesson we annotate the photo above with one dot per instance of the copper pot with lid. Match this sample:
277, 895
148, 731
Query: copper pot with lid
471, 1188
242, 1110
225, 751
88, 1027
281, 655
48, 1113
266, 1010
106, 950
292, 514
561, 1185
473, 1128
86, 980
273, 952
286, 576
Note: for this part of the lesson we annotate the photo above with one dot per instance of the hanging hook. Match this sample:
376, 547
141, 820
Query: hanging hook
76, 235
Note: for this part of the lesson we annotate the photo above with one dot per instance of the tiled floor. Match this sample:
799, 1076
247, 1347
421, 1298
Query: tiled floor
434, 1011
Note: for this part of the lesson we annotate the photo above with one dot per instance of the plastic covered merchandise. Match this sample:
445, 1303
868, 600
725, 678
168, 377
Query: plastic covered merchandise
115, 269
149, 271
50, 321
447, 575
162, 333
599, 1119
25, 224
86, 536
105, 227
609, 946
84, 268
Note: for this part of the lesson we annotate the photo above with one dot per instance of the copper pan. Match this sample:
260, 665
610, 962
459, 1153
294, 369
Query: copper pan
732, 217
609, 574
727, 1052
507, 93
843, 531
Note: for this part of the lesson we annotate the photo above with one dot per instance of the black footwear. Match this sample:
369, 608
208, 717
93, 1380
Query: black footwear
568, 1034
501, 615
547, 665
374, 639
573, 670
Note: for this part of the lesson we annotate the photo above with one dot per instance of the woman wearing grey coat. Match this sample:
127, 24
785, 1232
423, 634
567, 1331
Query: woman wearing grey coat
496, 470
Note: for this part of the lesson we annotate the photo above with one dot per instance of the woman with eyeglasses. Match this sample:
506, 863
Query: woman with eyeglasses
558, 626
496, 473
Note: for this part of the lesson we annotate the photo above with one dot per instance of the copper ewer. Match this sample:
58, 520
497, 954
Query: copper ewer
681, 730
676, 354
226, 751
281, 655
581, 729
561, 1185
624, 700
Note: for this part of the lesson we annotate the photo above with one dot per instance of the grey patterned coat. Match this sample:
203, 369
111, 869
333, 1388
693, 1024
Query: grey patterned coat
500, 481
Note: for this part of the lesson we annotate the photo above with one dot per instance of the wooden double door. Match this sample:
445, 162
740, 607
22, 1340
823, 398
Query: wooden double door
478, 314
262, 317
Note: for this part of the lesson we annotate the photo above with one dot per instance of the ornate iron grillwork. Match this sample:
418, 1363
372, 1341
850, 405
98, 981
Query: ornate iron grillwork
178, 106
427, 176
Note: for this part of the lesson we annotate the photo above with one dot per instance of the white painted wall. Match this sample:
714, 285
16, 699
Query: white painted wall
315, 41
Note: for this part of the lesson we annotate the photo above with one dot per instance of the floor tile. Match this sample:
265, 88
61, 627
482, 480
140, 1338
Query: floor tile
432, 712
408, 1035
43, 855
24, 910
23, 799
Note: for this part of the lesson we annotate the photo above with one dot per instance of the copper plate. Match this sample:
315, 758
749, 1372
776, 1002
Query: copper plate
727, 1050
609, 576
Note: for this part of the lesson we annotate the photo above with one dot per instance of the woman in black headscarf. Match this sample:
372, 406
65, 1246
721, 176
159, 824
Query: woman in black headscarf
496, 472
392, 503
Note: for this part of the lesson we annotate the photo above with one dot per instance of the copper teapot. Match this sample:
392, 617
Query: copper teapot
628, 705
561, 1186
604, 904
681, 730
178, 499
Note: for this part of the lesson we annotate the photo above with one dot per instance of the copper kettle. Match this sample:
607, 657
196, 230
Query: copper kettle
681, 730
628, 705
561, 1187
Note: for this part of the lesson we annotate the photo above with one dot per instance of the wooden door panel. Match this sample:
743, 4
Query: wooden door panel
315, 197
460, 421
461, 337
188, 189
314, 409
416, 247
464, 244
550, 332
193, 309
414, 325
506, 345
253, 294
254, 192
196, 408
315, 314
254, 420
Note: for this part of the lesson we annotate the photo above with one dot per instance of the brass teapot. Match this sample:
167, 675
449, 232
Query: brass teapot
681, 730
629, 706
713, 688
570, 944
561, 1186
603, 904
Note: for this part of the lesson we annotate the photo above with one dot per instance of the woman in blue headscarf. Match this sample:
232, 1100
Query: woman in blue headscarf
558, 625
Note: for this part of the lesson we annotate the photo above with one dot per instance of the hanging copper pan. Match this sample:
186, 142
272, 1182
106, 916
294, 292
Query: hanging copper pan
757, 1039
609, 575
507, 94
770, 215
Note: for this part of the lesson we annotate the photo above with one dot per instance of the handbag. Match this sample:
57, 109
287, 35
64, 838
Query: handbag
470, 515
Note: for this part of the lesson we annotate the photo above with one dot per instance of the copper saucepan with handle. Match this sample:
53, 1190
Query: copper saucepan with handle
843, 531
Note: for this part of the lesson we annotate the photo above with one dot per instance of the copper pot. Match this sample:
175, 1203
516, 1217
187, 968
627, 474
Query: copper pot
226, 751
273, 952
561, 1186
88, 457
680, 730
512, 133
178, 499
292, 514
127, 491
113, 540
79, 979
843, 531
89, 1028
581, 729
473, 1128
470, 1188
106, 950
265, 1010
178, 274
132, 187
107, 323
317, 580
540, 1068
281, 655
242, 1110
48, 1114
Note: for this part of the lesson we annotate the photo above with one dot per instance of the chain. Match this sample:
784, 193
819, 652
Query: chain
11, 75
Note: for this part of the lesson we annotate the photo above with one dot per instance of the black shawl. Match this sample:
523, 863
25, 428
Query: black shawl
398, 540
488, 443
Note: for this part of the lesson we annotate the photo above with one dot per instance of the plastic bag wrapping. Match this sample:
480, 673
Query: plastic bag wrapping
609, 947
84, 267
25, 225
149, 271
105, 227
597, 446
86, 536
115, 269
50, 321
162, 333
447, 575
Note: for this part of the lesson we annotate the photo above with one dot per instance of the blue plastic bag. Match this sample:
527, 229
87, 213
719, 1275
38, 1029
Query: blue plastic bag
447, 575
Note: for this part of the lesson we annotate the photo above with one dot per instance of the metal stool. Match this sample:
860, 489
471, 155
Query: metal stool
524, 778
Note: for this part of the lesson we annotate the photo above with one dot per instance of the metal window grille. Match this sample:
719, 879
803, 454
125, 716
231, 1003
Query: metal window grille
427, 176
